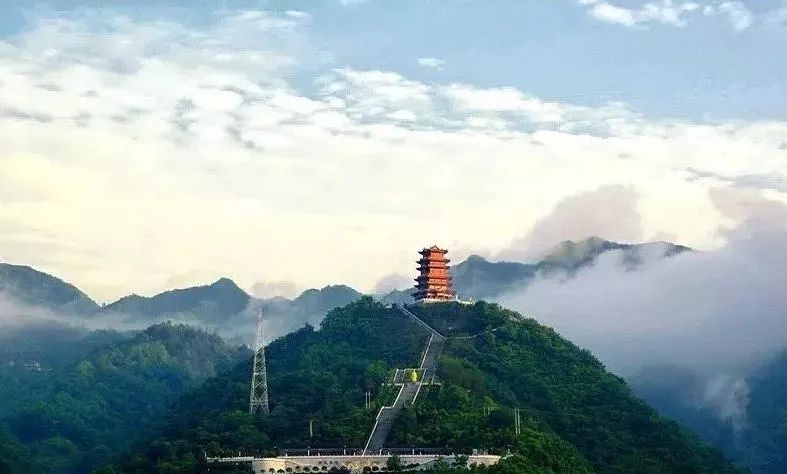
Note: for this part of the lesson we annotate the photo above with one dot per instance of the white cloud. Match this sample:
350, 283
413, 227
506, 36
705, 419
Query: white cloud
668, 12
672, 12
739, 16
297, 14
609, 212
134, 151
432, 63
718, 310
268, 289
777, 16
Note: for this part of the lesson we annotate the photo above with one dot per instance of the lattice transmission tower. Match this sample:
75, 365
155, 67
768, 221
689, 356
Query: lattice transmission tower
258, 401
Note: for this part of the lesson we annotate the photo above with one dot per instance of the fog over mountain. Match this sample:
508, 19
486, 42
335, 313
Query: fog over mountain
720, 310
713, 316
717, 309
221, 306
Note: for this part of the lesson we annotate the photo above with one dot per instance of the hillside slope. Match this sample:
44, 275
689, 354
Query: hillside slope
746, 418
576, 416
499, 361
40, 289
70, 415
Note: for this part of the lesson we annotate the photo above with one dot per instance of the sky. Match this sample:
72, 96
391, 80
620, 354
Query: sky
155, 144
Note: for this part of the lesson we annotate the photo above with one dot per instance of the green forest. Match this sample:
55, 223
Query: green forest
576, 417
575, 413
91, 394
757, 438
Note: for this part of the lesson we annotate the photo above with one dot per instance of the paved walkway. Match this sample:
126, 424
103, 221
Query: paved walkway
408, 392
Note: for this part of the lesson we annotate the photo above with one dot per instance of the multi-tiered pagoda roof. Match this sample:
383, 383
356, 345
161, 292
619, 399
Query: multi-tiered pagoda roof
434, 279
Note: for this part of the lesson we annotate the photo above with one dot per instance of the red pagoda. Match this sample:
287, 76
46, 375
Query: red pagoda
434, 281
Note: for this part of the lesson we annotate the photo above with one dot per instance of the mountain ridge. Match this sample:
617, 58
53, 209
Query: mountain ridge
222, 301
34, 287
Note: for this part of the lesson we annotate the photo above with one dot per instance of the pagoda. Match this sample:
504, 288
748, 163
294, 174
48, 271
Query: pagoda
433, 284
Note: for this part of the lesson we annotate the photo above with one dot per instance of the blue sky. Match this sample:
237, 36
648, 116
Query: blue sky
706, 69
152, 144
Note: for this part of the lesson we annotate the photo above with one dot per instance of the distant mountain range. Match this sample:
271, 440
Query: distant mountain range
208, 303
223, 301
479, 278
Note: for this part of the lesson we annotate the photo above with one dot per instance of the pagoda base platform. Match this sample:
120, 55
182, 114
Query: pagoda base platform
426, 301
435, 300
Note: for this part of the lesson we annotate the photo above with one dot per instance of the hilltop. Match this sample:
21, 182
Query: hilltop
576, 416
207, 303
36, 288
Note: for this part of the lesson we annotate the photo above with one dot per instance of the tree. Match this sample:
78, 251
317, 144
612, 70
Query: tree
394, 463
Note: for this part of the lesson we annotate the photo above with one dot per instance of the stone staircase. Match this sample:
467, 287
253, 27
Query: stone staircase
408, 392
387, 415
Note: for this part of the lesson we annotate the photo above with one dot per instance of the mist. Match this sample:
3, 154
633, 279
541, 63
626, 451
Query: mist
719, 313
720, 308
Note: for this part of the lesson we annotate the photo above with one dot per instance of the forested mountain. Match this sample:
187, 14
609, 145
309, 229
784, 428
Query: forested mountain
11, 456
35, 288
72, 407
212, 303
576, 416
749, 424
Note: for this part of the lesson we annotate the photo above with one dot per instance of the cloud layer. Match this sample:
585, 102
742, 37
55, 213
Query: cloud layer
675, 13
141, 155
718, 310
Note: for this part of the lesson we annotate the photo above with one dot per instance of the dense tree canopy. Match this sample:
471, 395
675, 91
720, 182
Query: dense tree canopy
10, 454
576, 417
74, 413
749, 427
495, 360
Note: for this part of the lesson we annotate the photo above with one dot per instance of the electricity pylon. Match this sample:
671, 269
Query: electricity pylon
258, 400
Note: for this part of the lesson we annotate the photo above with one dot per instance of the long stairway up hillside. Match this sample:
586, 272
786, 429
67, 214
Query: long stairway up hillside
386, 417
407, 393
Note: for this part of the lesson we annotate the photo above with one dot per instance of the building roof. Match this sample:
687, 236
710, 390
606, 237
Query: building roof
433, 249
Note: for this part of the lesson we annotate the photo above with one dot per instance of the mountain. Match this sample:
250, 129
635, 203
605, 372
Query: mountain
745, 417
576, 417
68, 415
29, 353
36, 288
686, 396
212, 303
479, 278
11, 455
763, 438
570, 256
219, 304
325, 299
